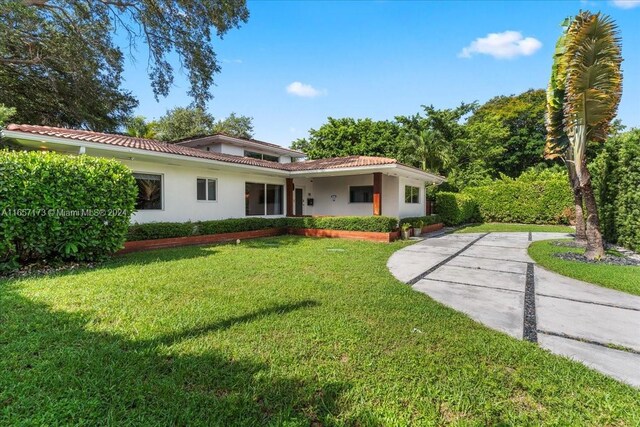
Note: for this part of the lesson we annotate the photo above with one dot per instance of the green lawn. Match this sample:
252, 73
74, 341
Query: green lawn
500, 227
622, 278
281, 331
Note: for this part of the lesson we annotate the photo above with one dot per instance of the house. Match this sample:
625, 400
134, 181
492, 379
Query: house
218, 176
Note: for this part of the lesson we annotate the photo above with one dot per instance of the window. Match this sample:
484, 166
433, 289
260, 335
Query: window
411, 194
361, 194
261, 156
149, 191
206, 189
264, 199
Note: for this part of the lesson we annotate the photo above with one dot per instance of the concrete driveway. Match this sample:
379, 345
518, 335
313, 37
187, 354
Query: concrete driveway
491, 278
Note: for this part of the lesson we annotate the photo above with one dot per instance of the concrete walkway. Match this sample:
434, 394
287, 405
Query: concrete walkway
491, 278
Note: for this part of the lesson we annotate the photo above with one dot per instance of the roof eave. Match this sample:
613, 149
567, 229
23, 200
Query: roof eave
133, 151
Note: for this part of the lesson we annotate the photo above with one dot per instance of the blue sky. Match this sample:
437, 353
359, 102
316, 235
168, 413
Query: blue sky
296, 63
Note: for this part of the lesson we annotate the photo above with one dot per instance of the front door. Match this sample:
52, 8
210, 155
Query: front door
299, 197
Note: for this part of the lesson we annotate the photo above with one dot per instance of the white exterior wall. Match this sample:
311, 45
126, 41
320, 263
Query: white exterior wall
306, 185
179, 193
324, 188
410, 209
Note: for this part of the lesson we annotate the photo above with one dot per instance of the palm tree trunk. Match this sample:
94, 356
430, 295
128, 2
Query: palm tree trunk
595, 245
581, 232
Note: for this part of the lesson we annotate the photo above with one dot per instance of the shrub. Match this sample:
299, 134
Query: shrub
348, 223
426, 220
456, 208
532, 198
162, 230
54, 206
616, 177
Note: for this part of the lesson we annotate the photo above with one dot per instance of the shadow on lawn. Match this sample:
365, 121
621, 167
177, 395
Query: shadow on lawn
54, 371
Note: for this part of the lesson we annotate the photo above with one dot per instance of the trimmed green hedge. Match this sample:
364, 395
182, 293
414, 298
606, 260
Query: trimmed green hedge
530, 199
55, 206
426, 220
456, 208
162, 230
616, 178
381, 224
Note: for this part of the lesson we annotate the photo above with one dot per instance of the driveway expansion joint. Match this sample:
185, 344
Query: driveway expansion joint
529, 329
443, 262
604, 304
588, 341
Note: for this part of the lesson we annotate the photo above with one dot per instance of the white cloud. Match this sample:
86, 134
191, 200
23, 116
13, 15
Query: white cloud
505, 45
304, 90
626, 4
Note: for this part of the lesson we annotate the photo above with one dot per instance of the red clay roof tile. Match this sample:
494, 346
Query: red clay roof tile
164, 147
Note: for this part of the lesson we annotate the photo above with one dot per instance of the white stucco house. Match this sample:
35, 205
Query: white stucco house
217, 176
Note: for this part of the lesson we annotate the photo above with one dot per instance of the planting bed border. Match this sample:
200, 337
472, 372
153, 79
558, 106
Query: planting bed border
145, 245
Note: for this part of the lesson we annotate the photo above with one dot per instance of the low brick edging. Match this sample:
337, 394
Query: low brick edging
174, 242
145, 245
343, 234
432, 227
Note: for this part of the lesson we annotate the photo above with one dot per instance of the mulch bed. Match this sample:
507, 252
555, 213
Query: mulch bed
608, 259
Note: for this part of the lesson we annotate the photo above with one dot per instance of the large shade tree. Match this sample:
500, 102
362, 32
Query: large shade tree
584, 94
59, 64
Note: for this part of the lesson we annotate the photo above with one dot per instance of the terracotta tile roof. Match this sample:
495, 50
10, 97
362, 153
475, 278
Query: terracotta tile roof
167, 148
139, 143
187, 141
341, 162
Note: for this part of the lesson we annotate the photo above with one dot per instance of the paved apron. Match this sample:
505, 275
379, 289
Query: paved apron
491, 278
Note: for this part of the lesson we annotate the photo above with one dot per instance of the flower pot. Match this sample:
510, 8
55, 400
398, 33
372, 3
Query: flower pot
405, 234
417, 232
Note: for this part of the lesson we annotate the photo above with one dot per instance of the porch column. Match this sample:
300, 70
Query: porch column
377, 193
289, 196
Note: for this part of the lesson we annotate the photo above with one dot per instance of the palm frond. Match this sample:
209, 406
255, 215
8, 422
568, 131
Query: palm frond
594, 78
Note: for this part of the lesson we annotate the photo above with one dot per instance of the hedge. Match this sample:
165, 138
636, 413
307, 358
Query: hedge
426, 220
55, 206
616, 178
161, 230
543, 199
456, 208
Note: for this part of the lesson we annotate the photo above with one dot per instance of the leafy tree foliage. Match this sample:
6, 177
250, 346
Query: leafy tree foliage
61, 72
348, 137
5, 114
59, 65
184, 122
139, 127
523, 119
234, 125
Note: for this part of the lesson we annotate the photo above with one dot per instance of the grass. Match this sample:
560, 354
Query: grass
495, 227
621, 278
281, 331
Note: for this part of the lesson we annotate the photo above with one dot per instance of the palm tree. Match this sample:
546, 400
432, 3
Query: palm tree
557, 145
430, 150
137, 126
590, 64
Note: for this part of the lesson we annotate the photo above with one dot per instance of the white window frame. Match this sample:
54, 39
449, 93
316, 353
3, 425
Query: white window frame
405, 194
207, 179
162, 192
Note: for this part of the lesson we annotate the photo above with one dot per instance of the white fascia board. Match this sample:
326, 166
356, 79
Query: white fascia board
137, 151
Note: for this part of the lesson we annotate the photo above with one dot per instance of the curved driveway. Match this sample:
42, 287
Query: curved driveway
491, 278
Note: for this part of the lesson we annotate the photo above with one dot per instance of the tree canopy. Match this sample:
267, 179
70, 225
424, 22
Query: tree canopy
471, 143
185, 122
348, 137
523, 118
59, 64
